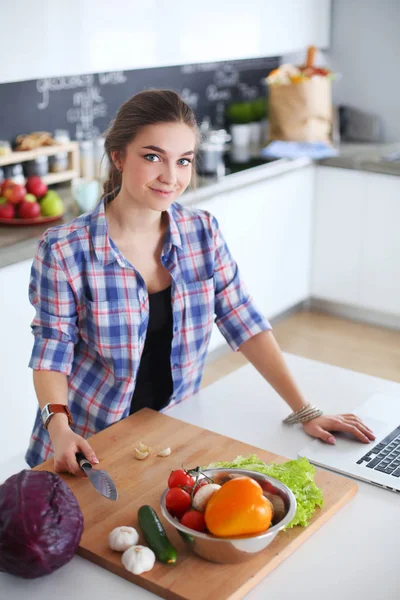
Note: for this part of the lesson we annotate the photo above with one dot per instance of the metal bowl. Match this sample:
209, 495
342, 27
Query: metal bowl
241, 548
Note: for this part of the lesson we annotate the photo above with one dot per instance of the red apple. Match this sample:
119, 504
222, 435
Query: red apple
36, 186
15, 193
28, 210
7, 211
5, 184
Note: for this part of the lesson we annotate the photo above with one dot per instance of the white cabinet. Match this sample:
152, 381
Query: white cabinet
87, 36
18, 400
339, 206
267, 226
356, 250
380, 263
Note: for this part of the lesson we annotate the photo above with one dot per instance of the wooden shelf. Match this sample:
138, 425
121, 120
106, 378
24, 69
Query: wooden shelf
59, 177
72, 148
17, 157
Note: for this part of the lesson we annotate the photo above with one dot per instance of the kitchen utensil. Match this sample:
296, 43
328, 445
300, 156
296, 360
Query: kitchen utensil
99, 478
85, 193
225, 550
143, 481
210, 160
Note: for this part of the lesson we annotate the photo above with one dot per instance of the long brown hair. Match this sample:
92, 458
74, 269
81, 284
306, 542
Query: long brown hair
145, 108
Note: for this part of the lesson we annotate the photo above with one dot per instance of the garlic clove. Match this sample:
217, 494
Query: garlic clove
143, 448
140, 455
165, 452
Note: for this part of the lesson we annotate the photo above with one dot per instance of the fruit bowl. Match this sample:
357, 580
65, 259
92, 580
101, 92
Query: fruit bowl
241, 548
35, 221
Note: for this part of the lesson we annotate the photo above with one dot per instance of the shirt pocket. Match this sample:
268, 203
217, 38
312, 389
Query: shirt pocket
198, 303
111, 330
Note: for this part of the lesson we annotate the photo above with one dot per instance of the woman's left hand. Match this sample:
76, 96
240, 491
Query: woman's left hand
320, 427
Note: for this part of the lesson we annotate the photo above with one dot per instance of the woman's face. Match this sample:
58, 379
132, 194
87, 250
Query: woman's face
157, 166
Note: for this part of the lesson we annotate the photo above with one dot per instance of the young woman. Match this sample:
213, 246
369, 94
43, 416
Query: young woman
126, 296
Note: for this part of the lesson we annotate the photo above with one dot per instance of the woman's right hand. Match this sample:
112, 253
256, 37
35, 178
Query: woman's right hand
66, 444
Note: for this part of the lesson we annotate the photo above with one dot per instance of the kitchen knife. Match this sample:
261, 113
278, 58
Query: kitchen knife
100, 479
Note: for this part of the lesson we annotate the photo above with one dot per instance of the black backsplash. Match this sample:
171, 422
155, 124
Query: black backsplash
85, 104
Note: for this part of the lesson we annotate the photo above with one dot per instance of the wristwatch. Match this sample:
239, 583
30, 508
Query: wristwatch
51, 409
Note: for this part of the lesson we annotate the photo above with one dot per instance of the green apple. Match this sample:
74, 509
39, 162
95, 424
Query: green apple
51, 205
3, 200
30, 198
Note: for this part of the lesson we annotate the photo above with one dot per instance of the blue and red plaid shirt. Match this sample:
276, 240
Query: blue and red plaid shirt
92, 311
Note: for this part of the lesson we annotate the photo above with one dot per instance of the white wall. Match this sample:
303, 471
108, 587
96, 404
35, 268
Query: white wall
365, 49
53, 38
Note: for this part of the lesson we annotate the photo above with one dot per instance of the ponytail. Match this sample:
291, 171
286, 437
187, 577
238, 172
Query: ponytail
114, 180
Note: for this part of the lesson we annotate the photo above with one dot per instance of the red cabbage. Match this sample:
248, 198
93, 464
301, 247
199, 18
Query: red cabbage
41, 524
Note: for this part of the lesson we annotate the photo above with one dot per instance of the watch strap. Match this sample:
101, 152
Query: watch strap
51, 409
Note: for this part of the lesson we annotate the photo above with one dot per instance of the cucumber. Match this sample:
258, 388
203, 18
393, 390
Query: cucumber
155, 536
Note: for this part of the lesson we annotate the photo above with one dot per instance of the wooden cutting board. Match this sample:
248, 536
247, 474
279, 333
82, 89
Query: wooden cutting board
142, 482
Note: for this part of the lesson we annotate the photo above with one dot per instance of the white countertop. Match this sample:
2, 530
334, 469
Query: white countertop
353, 556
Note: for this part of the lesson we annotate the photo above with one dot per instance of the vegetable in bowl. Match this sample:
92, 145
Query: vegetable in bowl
298, 475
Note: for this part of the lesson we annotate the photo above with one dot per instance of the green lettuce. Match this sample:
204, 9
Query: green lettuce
298, 475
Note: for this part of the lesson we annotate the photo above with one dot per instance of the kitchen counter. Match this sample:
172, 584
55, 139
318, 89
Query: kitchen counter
366, 157
18, 243
354, 555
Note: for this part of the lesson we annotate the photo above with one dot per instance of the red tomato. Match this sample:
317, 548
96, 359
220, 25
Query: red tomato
194, 519
180, 478
177, 501
199, 485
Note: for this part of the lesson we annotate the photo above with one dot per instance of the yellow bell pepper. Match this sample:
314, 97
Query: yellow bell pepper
238, 508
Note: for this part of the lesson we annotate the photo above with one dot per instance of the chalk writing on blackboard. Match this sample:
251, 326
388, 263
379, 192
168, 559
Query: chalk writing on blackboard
191, 98
87, 104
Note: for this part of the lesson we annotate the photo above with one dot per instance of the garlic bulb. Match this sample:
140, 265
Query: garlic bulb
203, 495
138, 559
121, 538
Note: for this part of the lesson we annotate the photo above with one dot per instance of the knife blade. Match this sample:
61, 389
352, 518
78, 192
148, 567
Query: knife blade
100, 479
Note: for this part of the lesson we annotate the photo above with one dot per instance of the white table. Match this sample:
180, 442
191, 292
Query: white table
353, 556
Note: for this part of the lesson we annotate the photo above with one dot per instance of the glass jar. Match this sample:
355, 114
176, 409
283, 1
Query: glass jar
15, 172
101, 163
5, 148
38, 166
86, 153
59, 162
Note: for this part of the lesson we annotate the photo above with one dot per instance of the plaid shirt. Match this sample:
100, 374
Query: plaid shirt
92, 312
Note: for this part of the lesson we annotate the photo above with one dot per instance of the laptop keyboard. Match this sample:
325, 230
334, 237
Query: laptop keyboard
385, 456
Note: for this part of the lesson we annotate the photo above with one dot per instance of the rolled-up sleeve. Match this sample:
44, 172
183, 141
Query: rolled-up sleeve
237, 317
55, 323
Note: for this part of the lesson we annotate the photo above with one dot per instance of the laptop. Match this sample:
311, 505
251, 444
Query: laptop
377, 462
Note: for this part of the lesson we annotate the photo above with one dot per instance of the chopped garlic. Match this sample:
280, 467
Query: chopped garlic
165, 452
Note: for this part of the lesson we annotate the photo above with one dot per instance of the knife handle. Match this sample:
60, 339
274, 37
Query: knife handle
83, 461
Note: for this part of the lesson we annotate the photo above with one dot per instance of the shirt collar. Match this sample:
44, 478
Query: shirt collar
99, 233
173, 237
101, 242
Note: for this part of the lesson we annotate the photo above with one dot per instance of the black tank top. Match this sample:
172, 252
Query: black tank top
154, 384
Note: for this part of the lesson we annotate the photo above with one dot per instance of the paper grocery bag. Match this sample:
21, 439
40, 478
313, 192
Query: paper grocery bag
301, 112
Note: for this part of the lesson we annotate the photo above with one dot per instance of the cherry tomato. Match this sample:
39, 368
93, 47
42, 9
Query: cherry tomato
177, 501
199, 485
180, 478
194, 519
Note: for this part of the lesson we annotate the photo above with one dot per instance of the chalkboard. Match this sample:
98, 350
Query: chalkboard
85, 104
